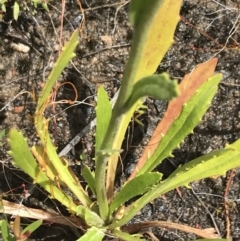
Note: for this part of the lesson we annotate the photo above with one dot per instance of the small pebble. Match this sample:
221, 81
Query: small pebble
20, 47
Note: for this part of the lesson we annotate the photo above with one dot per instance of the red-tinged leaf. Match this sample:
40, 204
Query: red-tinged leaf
188, 87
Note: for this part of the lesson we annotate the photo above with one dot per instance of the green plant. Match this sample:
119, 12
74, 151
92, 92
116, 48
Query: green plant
3, 6
27, 4
154, 31
18, 234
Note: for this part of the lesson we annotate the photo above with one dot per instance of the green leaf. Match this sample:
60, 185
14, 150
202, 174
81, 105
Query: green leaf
126, 236
89, 178
41, 124
32, 227
91, 218
64, 172
212, 164
136, 186
66, 55
103, 113
21, 154
154, 30
157, 86
24, 159
45, 6
191, 115
3, 7
16, 10
4, 230
93, 234
153, 35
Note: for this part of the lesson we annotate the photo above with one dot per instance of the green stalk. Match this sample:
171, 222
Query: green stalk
120, 120
159, 32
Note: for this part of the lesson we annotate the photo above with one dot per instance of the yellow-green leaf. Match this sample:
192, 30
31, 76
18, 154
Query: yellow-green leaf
16, 10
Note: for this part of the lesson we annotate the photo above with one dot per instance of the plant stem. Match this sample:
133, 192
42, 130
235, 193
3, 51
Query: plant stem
117, 128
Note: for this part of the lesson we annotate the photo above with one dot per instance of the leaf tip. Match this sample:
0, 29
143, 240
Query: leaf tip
187, 186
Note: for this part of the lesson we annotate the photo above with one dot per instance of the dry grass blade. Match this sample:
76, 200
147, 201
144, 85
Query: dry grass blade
204, 233
22, 211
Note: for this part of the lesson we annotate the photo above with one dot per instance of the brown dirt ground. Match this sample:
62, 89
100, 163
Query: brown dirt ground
207, 28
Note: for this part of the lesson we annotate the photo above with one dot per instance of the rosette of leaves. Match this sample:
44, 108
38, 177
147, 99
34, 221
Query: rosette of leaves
109, 214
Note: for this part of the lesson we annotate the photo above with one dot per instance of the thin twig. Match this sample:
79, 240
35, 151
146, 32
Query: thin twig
15, 97
209, 213
205, 233
226, 205
105, 49
105, 6
10, 82
115, 16
61, 29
